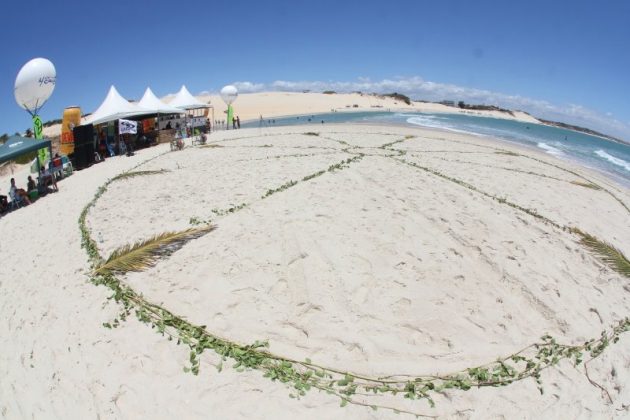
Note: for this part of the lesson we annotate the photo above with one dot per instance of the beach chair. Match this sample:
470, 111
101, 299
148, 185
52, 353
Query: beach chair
199, 139
56, 168
122, 148
67, 165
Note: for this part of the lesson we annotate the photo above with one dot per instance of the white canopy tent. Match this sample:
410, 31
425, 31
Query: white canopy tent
150, 101
184, 100
115, 107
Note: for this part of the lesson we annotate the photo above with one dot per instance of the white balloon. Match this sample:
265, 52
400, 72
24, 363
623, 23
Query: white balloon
229, 94
35, 83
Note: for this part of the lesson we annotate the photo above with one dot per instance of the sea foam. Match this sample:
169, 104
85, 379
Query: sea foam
434, 122
550, 149
613, 160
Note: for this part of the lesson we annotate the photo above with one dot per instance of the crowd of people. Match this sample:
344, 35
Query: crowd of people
236, 123
46, 183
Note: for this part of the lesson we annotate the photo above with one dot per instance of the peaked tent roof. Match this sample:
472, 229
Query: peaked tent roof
184, 100
114, 107
16, 146
150, 101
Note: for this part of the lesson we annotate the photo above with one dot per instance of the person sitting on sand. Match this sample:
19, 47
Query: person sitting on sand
16, 192
4, 203
46, 179
30, 184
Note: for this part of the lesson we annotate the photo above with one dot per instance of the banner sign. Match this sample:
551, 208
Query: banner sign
127, 127
148, 125
196, 122
169, 122
42, 154
37, 127
230, 116
70, 119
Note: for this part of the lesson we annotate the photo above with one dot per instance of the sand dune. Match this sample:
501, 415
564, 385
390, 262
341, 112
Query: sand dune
377, 266
250, 106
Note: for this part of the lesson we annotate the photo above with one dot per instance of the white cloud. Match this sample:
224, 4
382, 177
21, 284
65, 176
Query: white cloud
249, 87
419, 89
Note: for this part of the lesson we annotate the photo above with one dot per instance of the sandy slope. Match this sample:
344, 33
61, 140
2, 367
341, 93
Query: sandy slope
378, 268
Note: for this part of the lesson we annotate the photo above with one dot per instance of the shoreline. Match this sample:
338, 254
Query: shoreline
611, 176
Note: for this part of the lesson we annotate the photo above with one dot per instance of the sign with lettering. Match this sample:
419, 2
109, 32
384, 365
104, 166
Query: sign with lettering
37, 127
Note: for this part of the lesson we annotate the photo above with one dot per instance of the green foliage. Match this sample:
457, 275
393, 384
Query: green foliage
506, 152
280, 188
399, 97
127, 175
335, 167
52, 122
194, 221
387, 145
26, 158
232, 209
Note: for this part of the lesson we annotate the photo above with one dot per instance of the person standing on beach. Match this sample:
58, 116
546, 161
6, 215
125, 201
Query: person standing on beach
238, 122
233, 123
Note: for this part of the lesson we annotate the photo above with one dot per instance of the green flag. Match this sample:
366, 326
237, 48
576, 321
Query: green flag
230, 116
37, 130
37, 127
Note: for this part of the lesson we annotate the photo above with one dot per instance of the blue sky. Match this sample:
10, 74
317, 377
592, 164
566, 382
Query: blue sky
564, 60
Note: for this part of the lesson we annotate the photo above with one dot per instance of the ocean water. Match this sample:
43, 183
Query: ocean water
611, 158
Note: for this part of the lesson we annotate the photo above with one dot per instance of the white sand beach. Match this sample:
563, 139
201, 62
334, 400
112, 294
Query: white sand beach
414, 258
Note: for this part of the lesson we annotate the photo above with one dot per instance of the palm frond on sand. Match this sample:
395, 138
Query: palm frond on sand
586, 185
144, 254
610, 255
127, 175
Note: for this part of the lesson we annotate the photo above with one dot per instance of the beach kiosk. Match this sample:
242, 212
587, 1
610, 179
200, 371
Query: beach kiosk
168, 116
197, 113
99, 128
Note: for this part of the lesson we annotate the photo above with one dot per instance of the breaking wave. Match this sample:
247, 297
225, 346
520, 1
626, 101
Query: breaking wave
550, 149
613, 160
